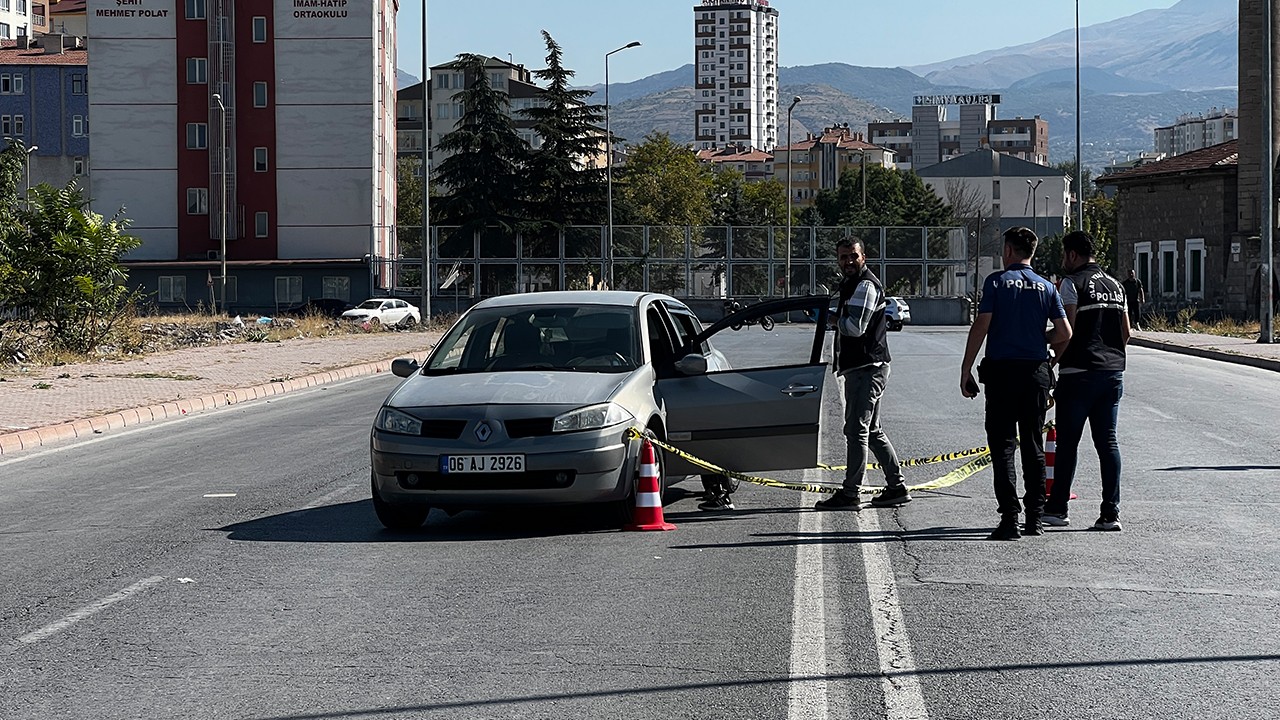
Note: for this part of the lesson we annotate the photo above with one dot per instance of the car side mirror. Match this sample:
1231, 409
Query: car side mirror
692, 364
404, 367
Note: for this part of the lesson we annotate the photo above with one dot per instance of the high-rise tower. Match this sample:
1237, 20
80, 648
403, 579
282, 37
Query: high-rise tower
736, 74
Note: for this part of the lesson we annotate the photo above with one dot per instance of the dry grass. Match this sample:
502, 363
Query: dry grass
1185, 322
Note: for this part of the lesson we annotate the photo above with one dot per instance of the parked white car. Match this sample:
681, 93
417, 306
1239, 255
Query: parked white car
897, 313
384, 311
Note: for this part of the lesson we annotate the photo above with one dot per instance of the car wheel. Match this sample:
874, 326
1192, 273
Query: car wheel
396, 517
408, 321
766, 322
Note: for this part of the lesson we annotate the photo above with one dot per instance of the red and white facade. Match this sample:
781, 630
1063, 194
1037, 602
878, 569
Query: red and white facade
308, 88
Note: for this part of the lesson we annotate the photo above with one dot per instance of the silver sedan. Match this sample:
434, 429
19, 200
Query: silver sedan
531, 399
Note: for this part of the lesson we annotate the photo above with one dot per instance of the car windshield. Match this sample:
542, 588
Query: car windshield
370, 305
589, 338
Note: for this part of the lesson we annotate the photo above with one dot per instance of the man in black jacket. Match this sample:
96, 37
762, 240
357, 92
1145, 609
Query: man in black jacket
862, 360
1090, 378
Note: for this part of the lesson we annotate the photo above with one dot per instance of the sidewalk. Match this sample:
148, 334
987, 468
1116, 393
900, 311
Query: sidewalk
41, 405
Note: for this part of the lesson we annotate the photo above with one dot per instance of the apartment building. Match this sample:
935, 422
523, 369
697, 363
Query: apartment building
755, 165
818, 161
44, 104
15, 19
269, 123
933, 135
736, 74
1194, 132
449, 79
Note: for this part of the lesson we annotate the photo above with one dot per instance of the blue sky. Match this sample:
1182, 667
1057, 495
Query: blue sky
811, 31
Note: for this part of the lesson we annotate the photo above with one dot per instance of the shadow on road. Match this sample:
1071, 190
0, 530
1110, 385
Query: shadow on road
790, 539
553, 700
1218, 468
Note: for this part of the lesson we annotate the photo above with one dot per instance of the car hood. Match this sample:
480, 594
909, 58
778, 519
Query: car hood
536, 387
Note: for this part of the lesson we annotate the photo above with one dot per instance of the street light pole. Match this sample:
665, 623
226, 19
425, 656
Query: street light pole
1267, 218
1035, 207
30, 150
222, 207
608, 164
426, 180
1079, 144
786, 286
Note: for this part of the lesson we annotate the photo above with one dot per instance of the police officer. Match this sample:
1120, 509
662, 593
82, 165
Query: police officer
1016, 306
1091, 372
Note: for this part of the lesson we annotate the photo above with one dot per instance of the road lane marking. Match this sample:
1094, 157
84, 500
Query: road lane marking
807, 699
903, 697
89, 611
219, 495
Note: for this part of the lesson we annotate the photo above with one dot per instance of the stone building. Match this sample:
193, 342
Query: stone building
1253, 35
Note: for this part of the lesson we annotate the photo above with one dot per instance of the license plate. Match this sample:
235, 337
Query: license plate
452, 464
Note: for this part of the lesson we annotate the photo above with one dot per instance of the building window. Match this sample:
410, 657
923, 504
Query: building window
6, 84
1168, 267
195, 9
259, 29
79, 128
335, 287
288, 290
14, 84
197, 201
197, 71
259, 94
77, 165
197, 136
19, 125
233, 289
1195, 268
78, 85
1142, 264
442, 82
173, 288
260, 221
4, 28
6, 124
259, 159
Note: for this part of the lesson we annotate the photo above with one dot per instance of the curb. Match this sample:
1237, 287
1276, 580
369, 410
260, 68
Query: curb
1209, 354
38, 437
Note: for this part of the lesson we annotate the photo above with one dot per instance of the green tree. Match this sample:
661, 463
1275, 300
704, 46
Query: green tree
484, 157
408, 193
564, 186
63, 263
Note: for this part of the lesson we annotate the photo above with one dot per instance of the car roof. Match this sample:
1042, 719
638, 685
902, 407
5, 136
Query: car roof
621, 298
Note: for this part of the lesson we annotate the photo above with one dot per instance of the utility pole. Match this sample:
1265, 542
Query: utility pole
426, 178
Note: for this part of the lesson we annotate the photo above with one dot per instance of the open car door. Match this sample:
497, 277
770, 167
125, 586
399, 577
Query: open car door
764, 418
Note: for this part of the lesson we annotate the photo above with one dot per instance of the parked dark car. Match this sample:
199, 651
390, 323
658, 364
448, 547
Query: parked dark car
329, 307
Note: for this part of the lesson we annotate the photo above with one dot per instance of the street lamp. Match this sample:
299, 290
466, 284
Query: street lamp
608, 165
1046, 214
222, 206
786, 286
1031, 196
30, 150
1079, 159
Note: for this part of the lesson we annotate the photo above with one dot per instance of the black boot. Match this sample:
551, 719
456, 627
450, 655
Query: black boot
1007, 529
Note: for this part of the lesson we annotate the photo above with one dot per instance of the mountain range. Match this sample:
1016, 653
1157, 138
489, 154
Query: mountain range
1138, 73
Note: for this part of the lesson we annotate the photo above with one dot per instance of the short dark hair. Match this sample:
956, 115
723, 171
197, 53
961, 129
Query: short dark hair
849, 242
1023, 240
1079, 242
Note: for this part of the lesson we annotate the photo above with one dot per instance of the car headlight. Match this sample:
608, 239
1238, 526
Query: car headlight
393, 421
591, 418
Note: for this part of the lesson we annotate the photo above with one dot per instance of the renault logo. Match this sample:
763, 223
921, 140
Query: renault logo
483, 431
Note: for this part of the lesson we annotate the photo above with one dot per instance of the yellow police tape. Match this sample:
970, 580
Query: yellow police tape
981, 459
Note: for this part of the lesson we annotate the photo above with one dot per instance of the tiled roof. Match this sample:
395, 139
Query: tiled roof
1211, 158
985, 162
10, 54
734, 154
68, 7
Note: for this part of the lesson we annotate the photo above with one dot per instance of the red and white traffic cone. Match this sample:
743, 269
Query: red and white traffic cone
648, 512
1051, 454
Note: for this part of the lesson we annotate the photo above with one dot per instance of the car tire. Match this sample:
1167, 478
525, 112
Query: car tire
374, 321
408, 321
766, 322
399, 518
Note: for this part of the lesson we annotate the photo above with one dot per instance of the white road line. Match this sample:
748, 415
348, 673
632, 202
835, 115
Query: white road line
808, 699
903, 697
218, 495
88, 611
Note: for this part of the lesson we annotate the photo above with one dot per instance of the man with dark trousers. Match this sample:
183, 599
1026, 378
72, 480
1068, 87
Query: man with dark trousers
862, 360
1016, 306
1090, 378
1135, 295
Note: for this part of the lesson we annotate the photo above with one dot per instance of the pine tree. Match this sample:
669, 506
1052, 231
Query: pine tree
484, 157
565, 188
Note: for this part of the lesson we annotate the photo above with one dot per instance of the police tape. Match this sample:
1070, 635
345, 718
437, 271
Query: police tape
981, 459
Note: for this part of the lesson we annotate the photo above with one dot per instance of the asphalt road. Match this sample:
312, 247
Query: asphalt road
229, 565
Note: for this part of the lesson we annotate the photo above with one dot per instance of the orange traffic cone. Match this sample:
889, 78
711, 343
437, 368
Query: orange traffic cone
1050, 454
648, 513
